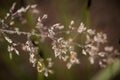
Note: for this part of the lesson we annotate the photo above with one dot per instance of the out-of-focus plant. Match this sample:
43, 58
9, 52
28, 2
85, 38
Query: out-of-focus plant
64, 49
109, 72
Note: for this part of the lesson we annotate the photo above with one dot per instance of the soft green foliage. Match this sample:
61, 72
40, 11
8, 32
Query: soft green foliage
109, 72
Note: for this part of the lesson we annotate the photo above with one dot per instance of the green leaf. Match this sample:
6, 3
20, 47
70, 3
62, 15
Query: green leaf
109, 72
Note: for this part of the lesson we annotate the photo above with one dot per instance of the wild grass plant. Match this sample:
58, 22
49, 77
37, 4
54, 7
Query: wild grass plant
64, 49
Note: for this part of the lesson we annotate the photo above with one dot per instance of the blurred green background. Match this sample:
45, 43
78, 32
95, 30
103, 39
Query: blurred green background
102, 15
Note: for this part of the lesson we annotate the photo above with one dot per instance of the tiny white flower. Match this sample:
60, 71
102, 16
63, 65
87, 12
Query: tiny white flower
72, 22
8, 39
91, 59
33, 6
84, 52
69, 65
81, 28
44, 16
108, 48
17, 52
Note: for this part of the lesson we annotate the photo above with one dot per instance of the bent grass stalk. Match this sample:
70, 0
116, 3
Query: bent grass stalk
63, 49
